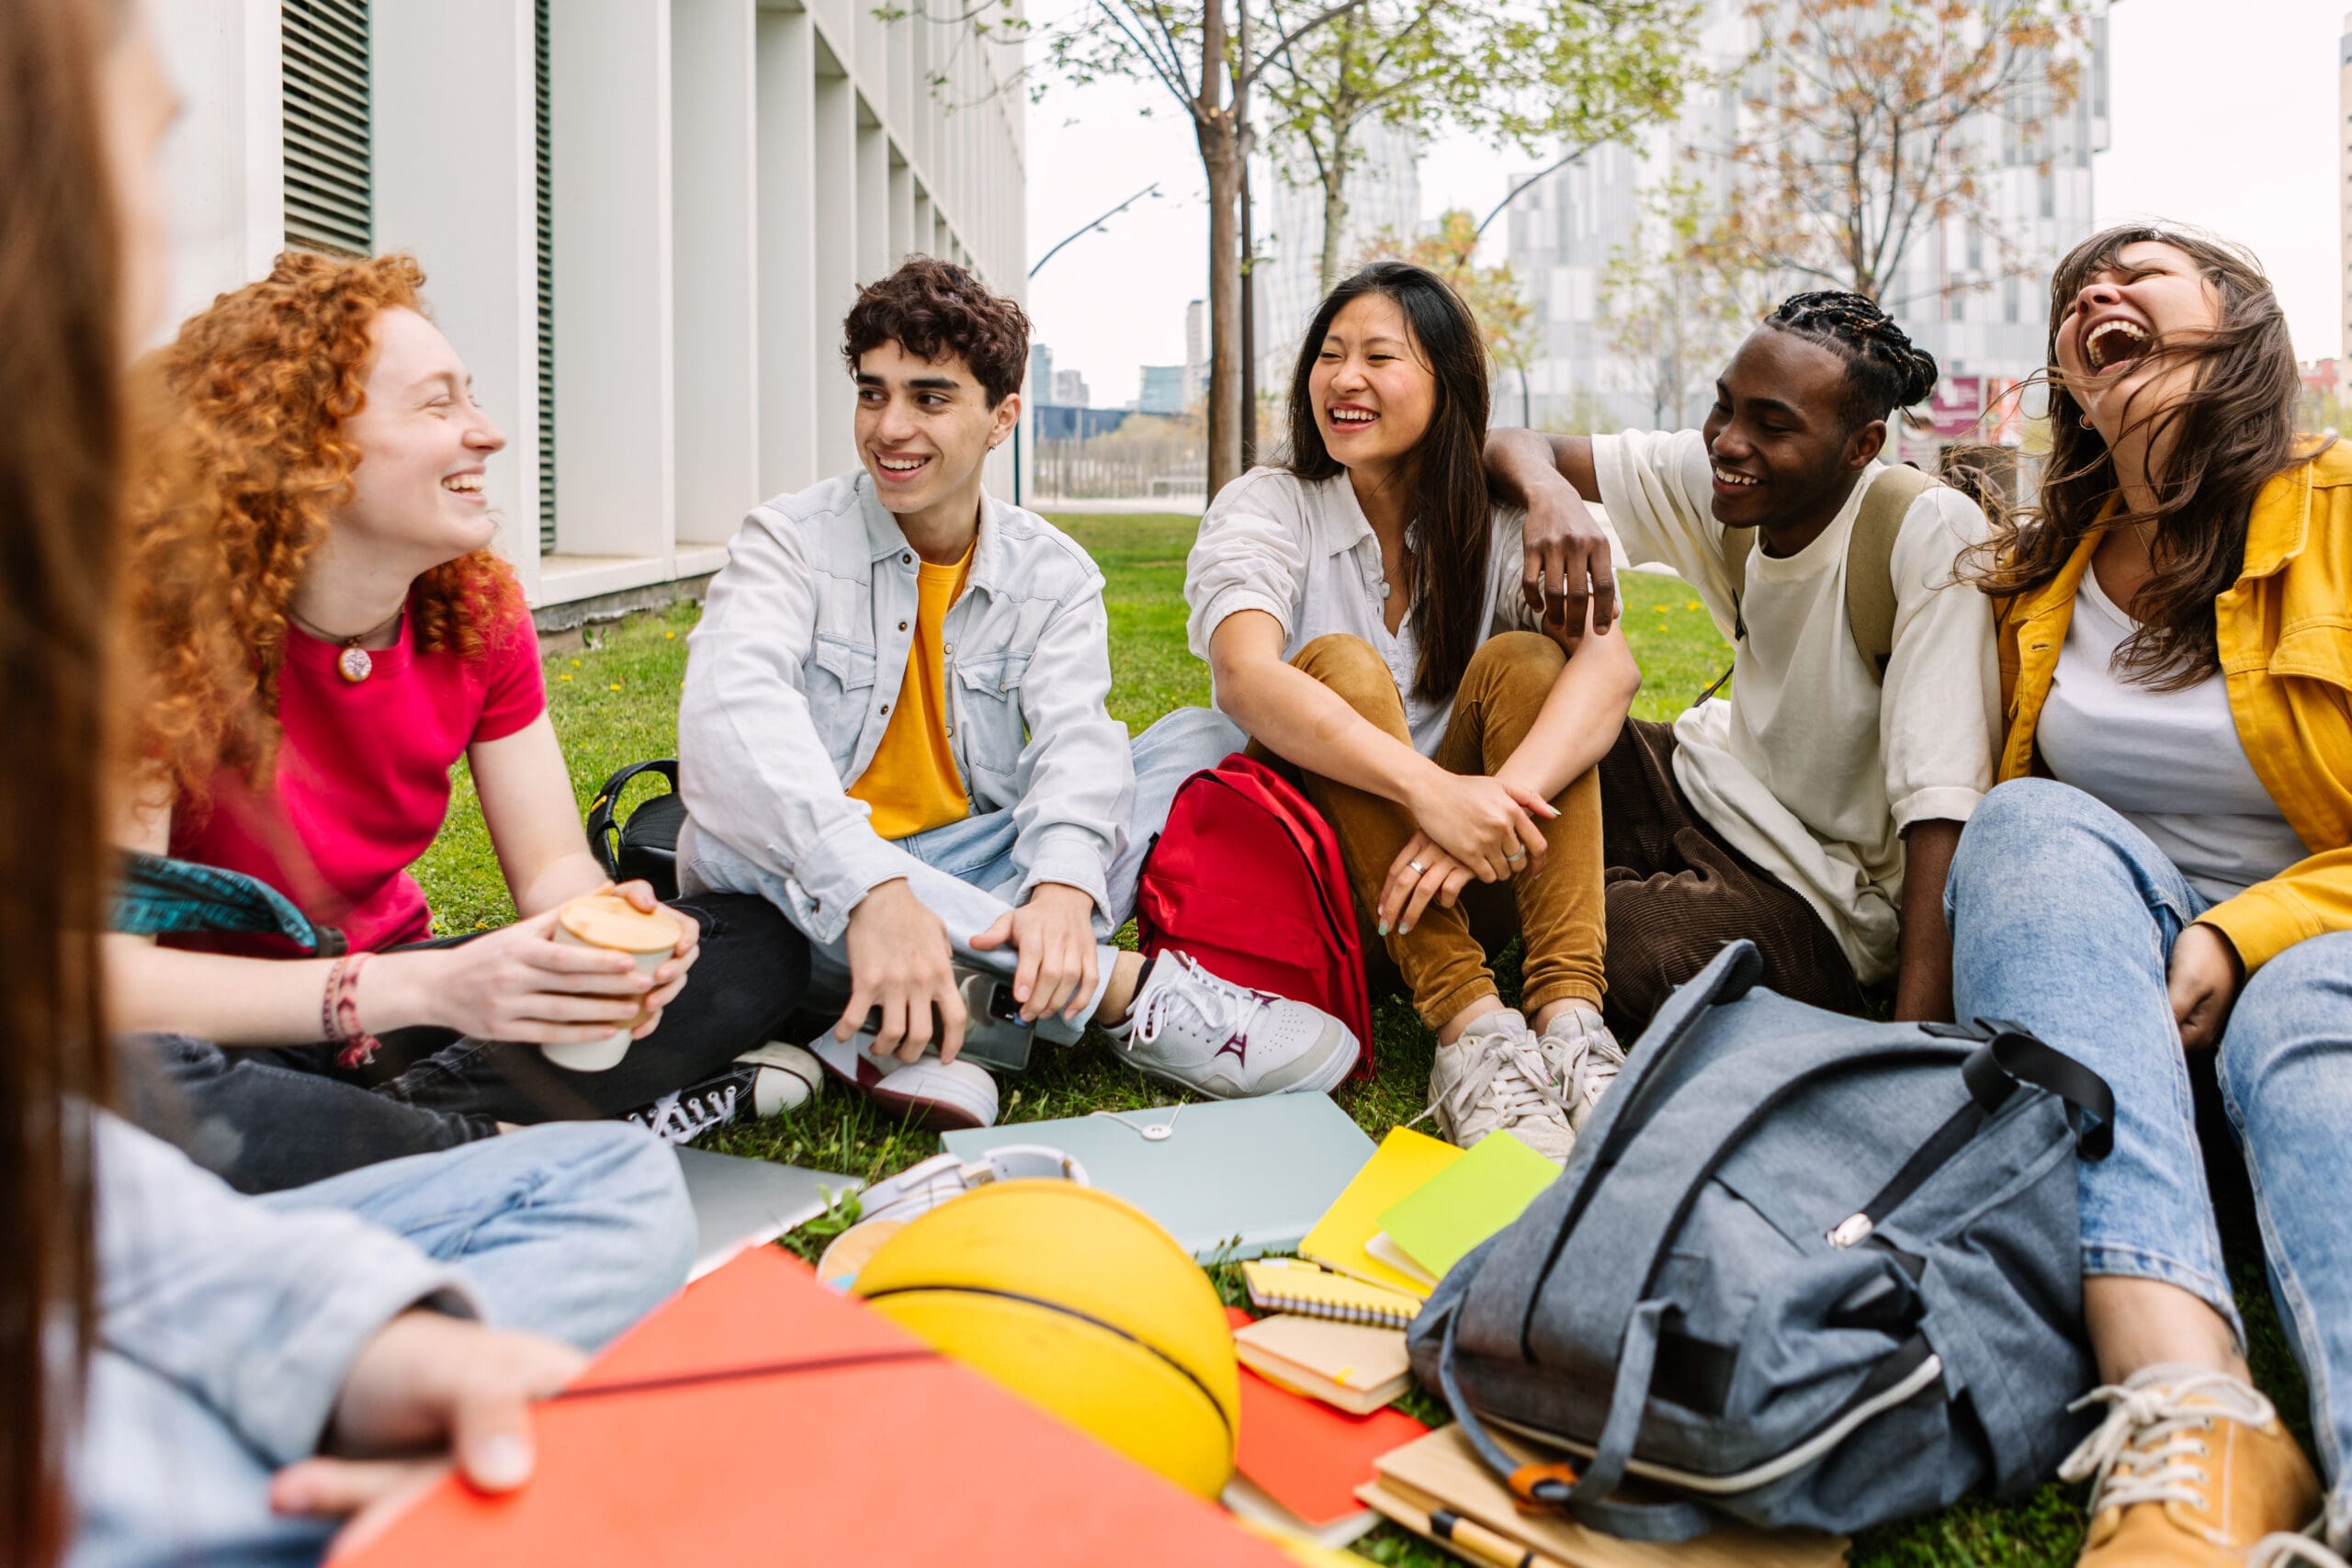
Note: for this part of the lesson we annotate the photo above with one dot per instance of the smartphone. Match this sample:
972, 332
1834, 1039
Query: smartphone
994, 1035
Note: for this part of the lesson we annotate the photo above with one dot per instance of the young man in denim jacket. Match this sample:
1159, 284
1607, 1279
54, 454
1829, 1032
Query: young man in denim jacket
894, 727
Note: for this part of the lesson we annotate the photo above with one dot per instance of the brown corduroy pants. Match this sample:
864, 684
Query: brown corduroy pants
1677, 893
1558, 911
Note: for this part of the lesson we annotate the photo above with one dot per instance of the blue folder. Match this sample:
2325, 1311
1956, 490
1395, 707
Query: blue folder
1231, 1179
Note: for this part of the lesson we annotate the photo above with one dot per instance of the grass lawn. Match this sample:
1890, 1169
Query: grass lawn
616, 703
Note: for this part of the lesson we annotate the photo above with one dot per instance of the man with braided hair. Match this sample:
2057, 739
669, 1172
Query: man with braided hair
1815, 811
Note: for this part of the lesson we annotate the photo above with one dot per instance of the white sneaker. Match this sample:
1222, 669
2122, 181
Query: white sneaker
1494, 1079
933, 1094
1189, 1027
1584, 1059
782, 1077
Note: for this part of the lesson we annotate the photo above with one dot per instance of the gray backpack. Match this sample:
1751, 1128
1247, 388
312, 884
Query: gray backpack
1802, 1270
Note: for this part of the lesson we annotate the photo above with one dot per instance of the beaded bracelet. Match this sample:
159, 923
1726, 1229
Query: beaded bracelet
339, 1012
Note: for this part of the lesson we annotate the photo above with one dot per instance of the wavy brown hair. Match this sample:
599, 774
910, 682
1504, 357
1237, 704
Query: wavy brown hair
1453, 516
234, 498
59, 446
2229, 434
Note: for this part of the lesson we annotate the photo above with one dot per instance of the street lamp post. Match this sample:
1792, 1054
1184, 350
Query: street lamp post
1091, 225
1565, 159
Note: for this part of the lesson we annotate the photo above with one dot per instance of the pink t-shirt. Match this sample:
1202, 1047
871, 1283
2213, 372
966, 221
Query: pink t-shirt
363, 781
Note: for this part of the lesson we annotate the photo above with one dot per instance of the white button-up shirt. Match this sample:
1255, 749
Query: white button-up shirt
1302, 551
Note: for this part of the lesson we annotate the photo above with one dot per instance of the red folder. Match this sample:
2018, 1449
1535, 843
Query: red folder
1308, 1456
759, 1418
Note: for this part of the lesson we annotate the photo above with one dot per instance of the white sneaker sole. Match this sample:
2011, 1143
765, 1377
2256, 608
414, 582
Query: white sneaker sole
1332, 1073
923, 1093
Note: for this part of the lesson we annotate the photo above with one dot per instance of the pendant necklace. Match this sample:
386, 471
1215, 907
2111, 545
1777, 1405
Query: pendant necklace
353, 663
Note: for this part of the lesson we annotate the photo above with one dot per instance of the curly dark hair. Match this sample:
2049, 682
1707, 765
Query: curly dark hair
1883, 371
930, 307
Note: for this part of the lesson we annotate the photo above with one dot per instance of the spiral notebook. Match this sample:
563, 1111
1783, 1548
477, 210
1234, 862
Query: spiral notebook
1293, 1284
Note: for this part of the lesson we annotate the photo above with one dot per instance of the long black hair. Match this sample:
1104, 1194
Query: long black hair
1453, 518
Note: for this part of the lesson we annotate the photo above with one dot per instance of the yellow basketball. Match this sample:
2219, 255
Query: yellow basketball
1078, 1302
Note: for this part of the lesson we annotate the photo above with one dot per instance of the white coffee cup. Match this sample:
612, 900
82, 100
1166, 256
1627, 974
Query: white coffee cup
608, 922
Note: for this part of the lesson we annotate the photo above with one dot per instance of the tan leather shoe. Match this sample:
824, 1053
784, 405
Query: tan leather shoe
2193, 1468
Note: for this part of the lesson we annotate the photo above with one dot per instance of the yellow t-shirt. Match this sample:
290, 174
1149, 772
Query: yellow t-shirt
913, 783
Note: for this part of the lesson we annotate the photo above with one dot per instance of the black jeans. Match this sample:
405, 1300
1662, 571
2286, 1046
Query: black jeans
264, 1118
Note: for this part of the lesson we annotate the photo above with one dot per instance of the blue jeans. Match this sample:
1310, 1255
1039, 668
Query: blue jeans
573, 1231
963, 872
2063, 917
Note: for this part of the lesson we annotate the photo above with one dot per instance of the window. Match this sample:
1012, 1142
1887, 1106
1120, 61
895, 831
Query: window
330, 158
2010, 297
545, 156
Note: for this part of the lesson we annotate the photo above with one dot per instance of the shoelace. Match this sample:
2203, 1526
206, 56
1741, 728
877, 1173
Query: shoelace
1514, 1072
1223, 1007
2286, 1550
672, 1121
1590, 1062
2147, 1448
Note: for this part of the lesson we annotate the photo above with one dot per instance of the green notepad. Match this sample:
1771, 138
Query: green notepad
1438, 1224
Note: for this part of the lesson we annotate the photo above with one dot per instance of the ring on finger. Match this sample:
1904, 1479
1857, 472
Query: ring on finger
1518, 859
1417, 868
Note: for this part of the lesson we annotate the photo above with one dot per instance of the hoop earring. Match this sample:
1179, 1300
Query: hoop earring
2087, 424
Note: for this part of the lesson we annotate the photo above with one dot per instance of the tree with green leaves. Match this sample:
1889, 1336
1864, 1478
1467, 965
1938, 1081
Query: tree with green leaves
1526, 73
1204, 54
1491, 292
1678, 298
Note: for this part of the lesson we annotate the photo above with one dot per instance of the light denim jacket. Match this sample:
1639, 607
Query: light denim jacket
799, 657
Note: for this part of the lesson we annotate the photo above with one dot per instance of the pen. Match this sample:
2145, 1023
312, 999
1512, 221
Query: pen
1466, 1536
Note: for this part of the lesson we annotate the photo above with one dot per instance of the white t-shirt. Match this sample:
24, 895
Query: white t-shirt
1811, 769
1302, 552
2171, 763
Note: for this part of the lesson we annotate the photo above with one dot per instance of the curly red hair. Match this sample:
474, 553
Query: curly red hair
233, 496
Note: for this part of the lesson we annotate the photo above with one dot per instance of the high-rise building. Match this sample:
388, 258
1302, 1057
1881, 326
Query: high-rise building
1972, 295
605, 194
1070, 390
1384, 191
1163, 390
1196, 352
1041, 374
2343, 162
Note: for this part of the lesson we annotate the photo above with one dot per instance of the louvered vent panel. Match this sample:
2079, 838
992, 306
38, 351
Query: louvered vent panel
545, 157
330, 160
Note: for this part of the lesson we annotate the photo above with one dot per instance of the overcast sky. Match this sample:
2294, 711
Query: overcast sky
2232, 127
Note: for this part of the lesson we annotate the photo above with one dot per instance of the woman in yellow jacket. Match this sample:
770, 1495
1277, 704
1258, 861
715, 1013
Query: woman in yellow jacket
2167, 867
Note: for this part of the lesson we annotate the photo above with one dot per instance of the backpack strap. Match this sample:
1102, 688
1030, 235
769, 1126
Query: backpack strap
604, 832
1870, 568
1870, 562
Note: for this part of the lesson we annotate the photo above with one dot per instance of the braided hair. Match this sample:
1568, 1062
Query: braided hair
1883, 371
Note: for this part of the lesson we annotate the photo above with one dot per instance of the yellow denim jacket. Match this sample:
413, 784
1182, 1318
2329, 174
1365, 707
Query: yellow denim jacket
2286, 646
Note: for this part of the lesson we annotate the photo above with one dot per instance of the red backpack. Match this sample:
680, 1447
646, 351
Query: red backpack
1247, 878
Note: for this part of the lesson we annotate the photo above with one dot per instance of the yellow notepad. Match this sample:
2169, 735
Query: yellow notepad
1287, 1284
1404, 1161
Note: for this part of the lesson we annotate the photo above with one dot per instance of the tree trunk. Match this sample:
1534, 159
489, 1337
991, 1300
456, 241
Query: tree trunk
1218, 133
1335, 213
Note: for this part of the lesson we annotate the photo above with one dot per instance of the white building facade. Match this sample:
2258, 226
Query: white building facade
641, 222
1974, 295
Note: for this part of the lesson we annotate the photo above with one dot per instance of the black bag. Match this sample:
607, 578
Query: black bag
644, 845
